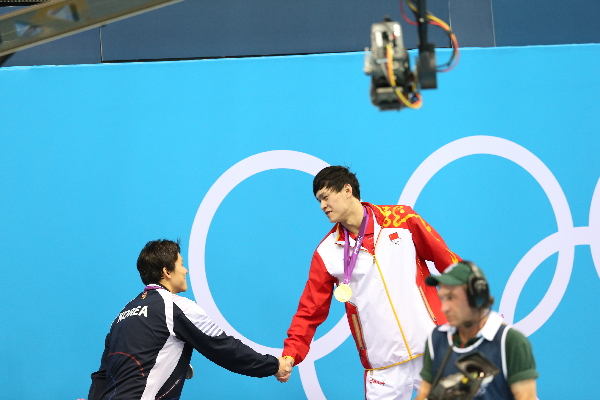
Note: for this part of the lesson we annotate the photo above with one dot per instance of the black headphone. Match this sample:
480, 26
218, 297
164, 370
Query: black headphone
478, 291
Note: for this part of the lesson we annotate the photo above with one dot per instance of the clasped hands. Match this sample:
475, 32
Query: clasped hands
285, 369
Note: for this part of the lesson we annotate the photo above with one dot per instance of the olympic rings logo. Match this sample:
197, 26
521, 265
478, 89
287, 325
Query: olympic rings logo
563, 241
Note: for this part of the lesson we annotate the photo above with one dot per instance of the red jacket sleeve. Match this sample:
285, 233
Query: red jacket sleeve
431, 247
429, 244
313, 309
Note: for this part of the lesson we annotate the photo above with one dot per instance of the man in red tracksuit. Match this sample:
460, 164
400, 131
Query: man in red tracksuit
381, 280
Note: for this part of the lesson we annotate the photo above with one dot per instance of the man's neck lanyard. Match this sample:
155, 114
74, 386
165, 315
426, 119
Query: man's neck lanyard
157, 286
343, 292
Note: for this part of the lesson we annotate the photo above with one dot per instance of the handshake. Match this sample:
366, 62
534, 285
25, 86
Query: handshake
285, 368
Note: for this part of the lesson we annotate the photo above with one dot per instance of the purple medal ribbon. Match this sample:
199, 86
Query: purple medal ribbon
350, 259
152, 287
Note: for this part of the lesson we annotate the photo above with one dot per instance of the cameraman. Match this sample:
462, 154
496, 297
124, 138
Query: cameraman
472, 327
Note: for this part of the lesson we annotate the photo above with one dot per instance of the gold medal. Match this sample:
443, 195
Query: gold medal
342, 293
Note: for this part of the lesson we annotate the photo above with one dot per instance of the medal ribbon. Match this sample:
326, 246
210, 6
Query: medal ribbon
153, 287
350, 259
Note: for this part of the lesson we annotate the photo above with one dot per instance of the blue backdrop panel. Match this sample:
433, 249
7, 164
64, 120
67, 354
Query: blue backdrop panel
206, 29
472, 22
540, 22
218, 28
503, 164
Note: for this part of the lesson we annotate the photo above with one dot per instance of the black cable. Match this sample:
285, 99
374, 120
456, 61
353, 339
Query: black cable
438, 376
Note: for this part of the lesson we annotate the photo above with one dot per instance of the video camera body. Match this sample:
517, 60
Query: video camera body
475, 371
387, 46
393, 84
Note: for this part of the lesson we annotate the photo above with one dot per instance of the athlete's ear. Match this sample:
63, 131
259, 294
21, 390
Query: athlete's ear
348, 190
166, 274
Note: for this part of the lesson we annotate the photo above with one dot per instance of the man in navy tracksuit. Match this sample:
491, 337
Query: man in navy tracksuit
149, 346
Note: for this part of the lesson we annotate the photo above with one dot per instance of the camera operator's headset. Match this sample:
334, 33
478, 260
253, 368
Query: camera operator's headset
478, 290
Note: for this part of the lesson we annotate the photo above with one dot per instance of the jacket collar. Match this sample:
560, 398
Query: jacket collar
372, 227
489, 330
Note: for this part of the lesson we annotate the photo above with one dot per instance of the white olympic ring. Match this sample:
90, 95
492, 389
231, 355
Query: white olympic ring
562, 241
219, 190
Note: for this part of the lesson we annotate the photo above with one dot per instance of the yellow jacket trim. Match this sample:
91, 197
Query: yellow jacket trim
387, 292
393, 365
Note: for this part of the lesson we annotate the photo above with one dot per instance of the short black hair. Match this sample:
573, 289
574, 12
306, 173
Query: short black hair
335, 177
156, 255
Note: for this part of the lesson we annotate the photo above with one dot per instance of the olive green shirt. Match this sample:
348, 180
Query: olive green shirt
520, 364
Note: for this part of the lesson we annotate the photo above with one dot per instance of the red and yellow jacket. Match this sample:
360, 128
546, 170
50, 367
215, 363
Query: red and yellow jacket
392, 310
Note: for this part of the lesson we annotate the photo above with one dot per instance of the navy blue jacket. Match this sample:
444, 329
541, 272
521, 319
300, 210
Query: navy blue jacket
149, 347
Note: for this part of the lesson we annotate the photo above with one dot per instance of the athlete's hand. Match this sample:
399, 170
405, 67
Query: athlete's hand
285, 369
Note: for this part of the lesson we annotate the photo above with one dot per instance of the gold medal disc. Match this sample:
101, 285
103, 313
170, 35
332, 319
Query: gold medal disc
342, 293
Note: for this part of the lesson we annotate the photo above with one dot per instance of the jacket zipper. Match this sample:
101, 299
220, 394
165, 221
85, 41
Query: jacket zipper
358, 332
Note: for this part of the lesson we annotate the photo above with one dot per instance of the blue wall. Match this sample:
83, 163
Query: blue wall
98, 159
